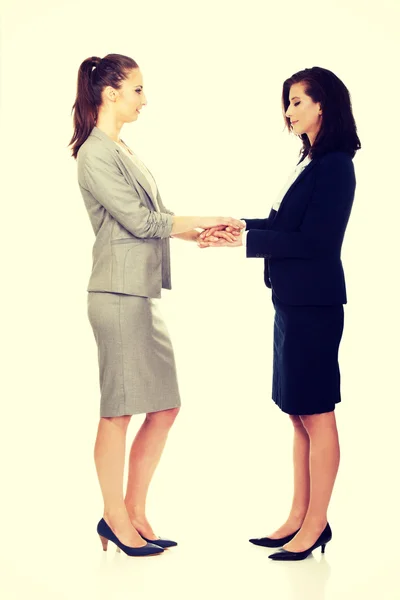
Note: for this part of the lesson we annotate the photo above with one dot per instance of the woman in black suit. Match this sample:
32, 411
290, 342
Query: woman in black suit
301, 242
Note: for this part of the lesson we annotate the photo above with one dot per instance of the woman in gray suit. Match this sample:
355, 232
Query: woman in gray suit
131, 264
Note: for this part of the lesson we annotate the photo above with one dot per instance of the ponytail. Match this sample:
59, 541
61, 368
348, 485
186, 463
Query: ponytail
93, 76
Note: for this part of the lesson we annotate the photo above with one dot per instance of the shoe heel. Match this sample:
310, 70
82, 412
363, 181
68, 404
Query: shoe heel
323, 548
104, 542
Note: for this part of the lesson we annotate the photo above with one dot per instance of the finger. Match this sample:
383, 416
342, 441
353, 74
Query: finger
226, 236
218, 244
235, 223
215, 228
216, 240
223, 242
212, 230
228, 222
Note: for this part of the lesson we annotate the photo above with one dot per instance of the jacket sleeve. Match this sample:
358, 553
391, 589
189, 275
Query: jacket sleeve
261, 224
322, 230
103, 179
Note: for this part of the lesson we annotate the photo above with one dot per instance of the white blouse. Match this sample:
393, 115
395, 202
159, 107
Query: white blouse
145, 172
292, 178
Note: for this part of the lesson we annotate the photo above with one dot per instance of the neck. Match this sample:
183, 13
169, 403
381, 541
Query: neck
109, 124
312, 136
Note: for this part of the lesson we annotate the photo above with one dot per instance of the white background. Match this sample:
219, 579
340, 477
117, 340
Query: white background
212, 135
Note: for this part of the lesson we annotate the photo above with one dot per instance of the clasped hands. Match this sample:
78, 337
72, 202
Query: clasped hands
229, 232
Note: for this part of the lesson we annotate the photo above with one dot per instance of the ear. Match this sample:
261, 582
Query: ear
110, 93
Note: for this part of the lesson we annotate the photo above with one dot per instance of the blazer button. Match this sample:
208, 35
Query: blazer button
258, 256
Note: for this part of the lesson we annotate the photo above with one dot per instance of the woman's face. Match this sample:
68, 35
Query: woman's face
130, 97
303, 112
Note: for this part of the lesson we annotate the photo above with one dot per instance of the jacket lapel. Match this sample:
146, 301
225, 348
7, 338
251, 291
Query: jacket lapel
303, 174
129, 165
136, 172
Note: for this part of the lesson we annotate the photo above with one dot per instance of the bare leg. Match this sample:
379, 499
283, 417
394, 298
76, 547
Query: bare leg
301, 468
145, 454
109, 455
324, 464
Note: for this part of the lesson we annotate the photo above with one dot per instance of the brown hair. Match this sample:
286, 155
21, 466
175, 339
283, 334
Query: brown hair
94, 75
338, 132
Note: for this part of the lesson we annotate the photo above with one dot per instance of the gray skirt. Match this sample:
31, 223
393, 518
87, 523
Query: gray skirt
137, 369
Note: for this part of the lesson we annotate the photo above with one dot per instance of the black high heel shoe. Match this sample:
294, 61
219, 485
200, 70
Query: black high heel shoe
323, 539
163, 543
267, 542
106, 534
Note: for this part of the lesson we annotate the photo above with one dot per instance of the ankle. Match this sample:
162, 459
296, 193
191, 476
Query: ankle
115, 514
138, 520
297, 516
315, 521
138, 517
134, 511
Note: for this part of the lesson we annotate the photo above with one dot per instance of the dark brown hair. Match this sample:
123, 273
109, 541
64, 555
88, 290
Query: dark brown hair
338, 132
93, 76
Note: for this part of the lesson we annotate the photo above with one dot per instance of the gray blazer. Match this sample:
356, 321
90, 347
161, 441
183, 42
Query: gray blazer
131, 253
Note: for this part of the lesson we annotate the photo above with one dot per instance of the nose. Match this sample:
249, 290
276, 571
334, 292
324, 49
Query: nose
288, 113
144, 100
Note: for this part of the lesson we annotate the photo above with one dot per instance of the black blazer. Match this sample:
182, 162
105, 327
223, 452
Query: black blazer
301, 243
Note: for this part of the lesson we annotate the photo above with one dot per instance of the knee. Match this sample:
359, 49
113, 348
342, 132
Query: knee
163, 418
319, 422
121, 422
296, 421
308, 423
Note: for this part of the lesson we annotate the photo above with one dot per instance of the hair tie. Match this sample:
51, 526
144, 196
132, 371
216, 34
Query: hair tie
95, 62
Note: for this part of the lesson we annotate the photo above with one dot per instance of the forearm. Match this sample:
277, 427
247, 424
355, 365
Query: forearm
101, 178
260, 224
256, 223
184, 224
189, 236
323, 225
280, 244
106, 185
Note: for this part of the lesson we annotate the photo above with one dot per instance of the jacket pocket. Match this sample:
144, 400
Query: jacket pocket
136, 266
127, 241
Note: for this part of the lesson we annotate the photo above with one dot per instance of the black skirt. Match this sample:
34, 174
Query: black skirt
306, 375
